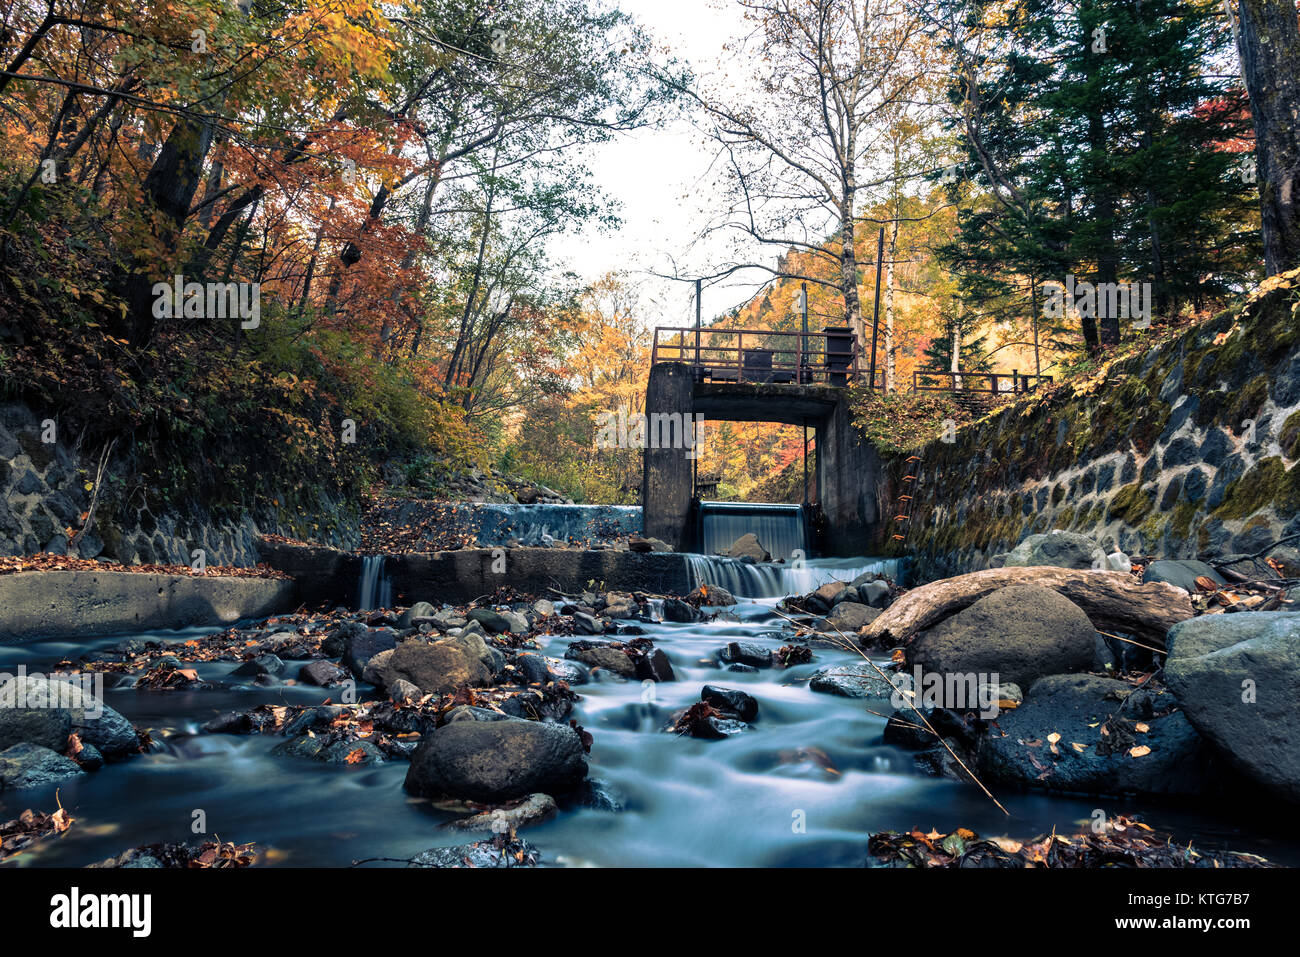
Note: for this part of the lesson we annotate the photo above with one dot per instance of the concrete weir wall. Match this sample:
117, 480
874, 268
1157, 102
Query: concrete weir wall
327, 576
56, 603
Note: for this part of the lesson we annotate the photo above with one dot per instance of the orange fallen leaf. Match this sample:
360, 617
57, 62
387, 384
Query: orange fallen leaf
1140, 751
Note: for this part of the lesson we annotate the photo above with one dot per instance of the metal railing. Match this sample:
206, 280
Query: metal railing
763, 355
988, 384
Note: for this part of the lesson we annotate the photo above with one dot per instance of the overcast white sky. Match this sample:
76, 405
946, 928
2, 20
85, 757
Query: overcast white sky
662, 179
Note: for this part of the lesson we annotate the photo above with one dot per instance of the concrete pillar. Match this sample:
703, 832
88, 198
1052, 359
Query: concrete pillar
668, 481
848, 473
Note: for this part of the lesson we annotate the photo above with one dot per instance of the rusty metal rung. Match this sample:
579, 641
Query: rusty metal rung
904, 498
900, 518
898, 538
909, 478
913, 458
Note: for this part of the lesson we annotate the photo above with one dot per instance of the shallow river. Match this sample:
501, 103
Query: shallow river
805, 786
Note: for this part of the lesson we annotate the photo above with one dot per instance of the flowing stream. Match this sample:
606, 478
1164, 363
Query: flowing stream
805, 786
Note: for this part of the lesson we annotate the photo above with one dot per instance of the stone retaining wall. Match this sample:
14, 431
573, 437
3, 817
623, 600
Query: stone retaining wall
45, 487
1186, 451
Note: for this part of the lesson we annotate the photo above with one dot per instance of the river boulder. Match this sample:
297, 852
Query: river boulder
1183, 574
853, 679
1019, 633
749, 548
495, 761
440, 667
1059, 548
41, 704
31, 766
1238, 679
848, 617
362, 644
1055, 741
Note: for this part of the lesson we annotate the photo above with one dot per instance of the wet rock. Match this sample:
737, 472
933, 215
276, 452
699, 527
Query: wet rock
500, 622
874, 593
467, 712
46, 727
602, 656
531, 669
350, 753
376, 669
440, 667
745, 653
89, 757
1059, 548
266, 664
749, 547
587, 624
1018, 634
742, 669
638, 544
1076, 707
30, 766
823, 599
1182, 573
655, 666
333, 644
680, 612
848, 617
322, 673
905, 730
502, 820
731, 702
404, 691
853, 679
480, 854
543, 608
363, 644
91, 721
570, 672
495, 761
713, 595
421, 609
1238, 680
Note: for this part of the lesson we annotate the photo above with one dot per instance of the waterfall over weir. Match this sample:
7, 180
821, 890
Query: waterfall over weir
772, 580
780, 529
374, 587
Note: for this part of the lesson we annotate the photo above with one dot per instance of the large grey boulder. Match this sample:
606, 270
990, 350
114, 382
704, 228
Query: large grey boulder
1182, 574
1019, 633
1238, 679
853, 679
440, 667
31, 766
848, 617
362, 645
29, 701
495, 761
1062, 549
1075, 707
749, 547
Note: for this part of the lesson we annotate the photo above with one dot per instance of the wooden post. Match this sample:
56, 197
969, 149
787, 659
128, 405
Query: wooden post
697, 327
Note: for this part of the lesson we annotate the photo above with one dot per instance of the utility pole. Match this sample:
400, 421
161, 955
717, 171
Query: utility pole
875, 320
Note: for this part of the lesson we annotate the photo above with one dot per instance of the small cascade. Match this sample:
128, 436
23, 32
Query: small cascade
772, 580
779, 528
374, 588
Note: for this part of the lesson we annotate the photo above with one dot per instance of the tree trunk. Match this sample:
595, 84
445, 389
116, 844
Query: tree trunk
1269, 45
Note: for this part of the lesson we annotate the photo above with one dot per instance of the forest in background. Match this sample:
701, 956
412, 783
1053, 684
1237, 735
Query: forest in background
389, 177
